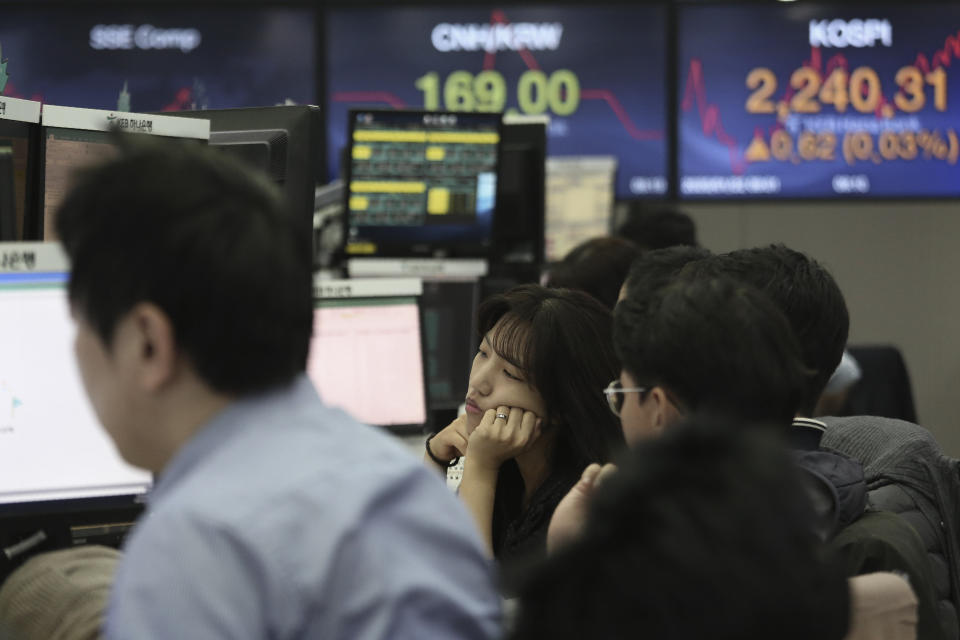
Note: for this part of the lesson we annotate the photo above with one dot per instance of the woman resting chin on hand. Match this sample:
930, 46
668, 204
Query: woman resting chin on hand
536, 415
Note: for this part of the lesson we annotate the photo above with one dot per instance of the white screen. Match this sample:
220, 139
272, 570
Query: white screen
579, 201
51, 444
366, 358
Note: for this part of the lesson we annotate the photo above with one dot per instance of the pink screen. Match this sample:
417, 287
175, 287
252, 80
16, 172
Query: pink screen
367, 360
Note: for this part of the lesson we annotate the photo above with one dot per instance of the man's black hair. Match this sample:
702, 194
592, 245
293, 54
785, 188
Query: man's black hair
657, 228
207, 241
702, 533
654, 270
598, 266
716, 345
806, 294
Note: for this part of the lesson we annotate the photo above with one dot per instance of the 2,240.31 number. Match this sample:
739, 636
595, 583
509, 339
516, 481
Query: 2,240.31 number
860, 89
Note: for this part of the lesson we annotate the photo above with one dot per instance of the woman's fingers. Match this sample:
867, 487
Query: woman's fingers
505, 431
529, 427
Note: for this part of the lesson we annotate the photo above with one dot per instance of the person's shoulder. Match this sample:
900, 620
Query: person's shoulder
836, 486
305, 469
281, 445
843, 423
875, 432
290, 462
322, 503
885, 445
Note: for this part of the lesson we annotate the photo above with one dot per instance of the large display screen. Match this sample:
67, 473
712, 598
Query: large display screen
159, 58
598, 72
808, 101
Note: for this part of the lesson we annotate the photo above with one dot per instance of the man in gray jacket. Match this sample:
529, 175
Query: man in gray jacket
905, 471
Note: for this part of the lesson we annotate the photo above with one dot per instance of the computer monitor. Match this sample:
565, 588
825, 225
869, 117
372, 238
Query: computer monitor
450, 329
74, 138
521, 181
421, 183
579, 201
282, 141
366, 354
19, 138
54, 454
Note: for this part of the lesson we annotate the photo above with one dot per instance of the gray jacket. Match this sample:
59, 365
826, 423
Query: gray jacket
908, 474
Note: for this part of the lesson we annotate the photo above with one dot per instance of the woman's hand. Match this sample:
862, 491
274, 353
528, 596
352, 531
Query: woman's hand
497, 439
450, 442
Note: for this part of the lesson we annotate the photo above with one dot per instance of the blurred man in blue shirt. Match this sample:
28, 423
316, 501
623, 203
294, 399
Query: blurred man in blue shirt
273, 516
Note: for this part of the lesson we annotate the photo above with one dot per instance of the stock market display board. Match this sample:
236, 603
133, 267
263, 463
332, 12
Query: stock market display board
805, 101
598, 72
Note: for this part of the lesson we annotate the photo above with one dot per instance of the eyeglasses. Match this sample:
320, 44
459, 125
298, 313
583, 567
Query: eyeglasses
615, 392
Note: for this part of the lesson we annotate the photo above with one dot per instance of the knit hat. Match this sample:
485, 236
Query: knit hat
60, 595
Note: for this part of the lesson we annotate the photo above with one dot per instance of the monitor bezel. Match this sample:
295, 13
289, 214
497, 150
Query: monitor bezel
303, 159
524, 140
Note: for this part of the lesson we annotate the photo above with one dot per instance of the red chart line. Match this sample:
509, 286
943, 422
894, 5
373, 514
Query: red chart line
497, 16
11, 91
941, 57
369, 96
181, 100
695, 94
621, 113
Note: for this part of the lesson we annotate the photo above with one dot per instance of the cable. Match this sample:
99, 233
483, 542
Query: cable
25, 545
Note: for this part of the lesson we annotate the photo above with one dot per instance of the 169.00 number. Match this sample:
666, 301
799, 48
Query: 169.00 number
536, 91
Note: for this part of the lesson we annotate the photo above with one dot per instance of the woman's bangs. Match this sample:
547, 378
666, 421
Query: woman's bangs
511, 340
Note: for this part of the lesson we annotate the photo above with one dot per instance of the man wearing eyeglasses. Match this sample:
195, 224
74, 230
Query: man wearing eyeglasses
698, 345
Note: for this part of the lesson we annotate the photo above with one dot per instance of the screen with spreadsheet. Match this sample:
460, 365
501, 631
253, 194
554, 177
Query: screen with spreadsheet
366, 357
421, 183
